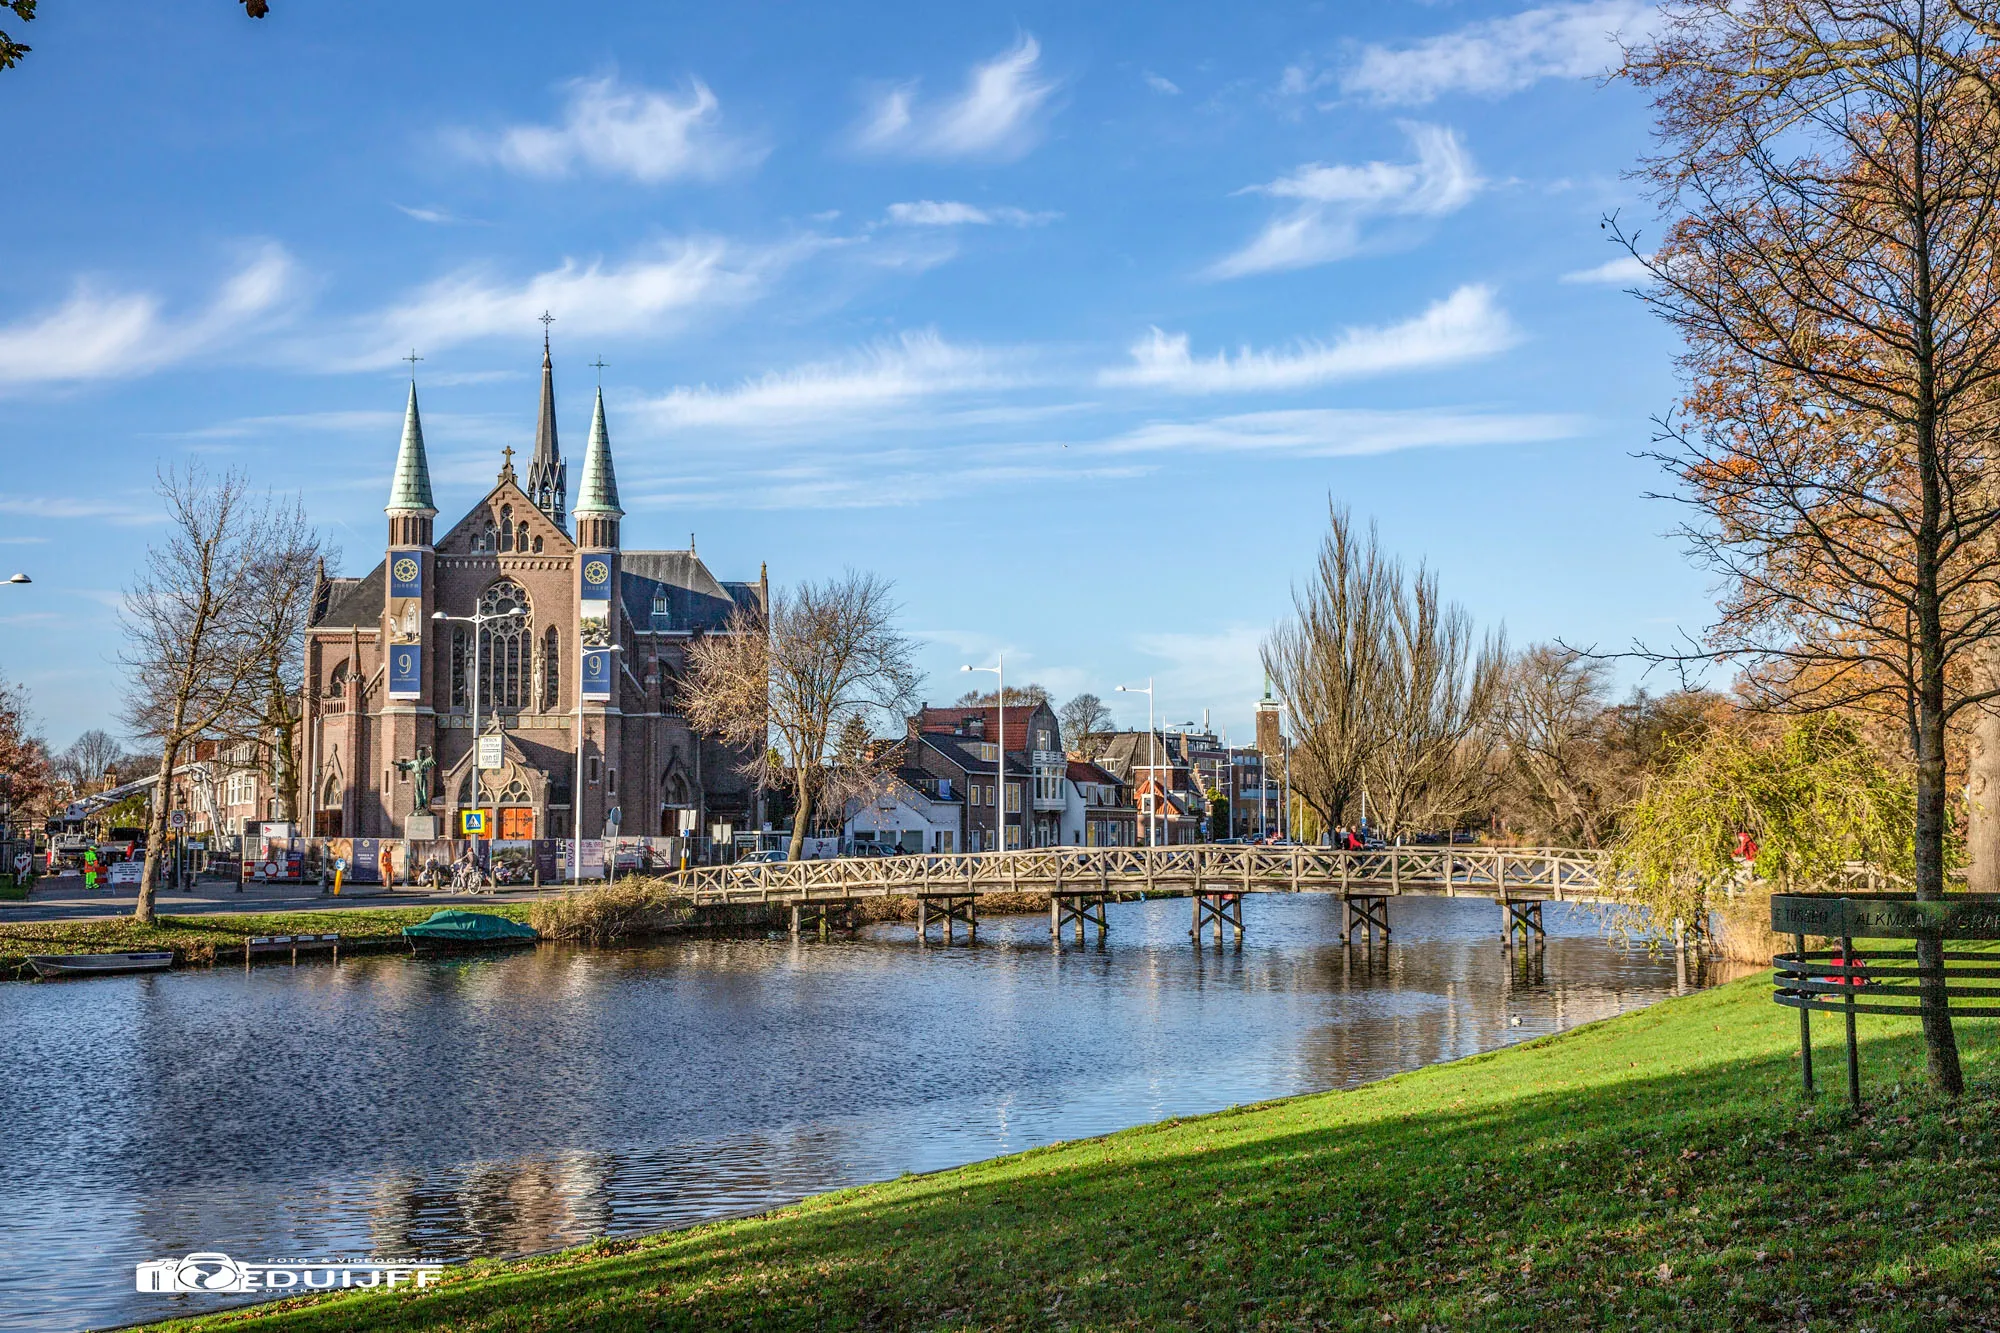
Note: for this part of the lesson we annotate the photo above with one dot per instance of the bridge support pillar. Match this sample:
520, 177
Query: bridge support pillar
948, 910
1364, 911
1220, 907
1522, 915
816, 916
1080, 910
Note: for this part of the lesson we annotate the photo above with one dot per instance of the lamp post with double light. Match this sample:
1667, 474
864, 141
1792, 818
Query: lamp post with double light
1000, 749
576, 793
478, 621
1152, 757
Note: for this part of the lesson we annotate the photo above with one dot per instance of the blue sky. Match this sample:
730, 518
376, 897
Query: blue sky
1069, 319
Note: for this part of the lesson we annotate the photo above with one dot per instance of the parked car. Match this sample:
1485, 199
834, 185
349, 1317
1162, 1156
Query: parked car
769, 856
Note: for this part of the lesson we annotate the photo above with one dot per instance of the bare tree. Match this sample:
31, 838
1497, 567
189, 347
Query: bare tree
1018, 696
86, 760
1834, 172
196, 640
1326, 665
786, 685
1551, 717
1439, 685
1086, 725
279, 603
26, 778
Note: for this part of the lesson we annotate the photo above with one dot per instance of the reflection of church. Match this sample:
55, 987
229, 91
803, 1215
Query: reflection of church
390, 688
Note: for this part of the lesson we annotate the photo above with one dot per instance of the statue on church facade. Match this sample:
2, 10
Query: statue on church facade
419, 770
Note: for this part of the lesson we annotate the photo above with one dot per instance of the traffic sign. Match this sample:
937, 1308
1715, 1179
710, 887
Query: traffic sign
177, 819
472, 823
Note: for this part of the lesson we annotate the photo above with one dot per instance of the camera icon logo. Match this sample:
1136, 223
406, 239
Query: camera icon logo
207, 1271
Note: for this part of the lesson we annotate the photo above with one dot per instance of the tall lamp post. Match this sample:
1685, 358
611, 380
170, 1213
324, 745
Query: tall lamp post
1000, 749
1152, 757
478, 623
576, 792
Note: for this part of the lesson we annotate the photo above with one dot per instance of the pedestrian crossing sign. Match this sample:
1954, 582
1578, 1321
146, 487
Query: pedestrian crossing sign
472, 823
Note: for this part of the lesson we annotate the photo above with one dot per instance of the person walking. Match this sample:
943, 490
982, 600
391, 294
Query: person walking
388, 865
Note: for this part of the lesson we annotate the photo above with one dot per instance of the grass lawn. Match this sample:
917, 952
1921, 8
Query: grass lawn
1660, 1170
205, 938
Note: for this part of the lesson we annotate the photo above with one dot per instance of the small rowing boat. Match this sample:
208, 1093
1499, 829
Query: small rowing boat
98, 964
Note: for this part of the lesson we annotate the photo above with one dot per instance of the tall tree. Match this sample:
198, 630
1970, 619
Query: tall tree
85, 761
786, 685
196, 637
1326, 665
279, 601
1018, 696
1439, 685
1086, 725
1833, 172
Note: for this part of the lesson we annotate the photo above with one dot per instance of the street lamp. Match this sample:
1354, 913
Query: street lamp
1152, 756
20, 578
1000, 764
478, 623
576, 792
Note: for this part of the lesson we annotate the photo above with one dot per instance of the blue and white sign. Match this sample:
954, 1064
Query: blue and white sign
597, 578
406, 574
597, 673
406, 670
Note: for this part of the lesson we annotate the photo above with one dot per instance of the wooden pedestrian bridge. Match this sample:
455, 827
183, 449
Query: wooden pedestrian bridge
1081, 880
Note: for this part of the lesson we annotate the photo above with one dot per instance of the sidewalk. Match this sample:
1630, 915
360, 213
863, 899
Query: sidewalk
63, 898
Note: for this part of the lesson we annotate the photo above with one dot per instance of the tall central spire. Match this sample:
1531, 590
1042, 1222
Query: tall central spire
548, 475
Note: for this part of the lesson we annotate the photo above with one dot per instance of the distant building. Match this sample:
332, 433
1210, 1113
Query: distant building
1171, 807
911, 810
1097, 808
962, 743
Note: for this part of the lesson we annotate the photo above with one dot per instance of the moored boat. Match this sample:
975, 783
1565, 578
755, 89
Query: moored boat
98, 964
452, 928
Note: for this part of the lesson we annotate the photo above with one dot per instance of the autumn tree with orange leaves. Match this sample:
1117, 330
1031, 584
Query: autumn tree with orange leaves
1831, 173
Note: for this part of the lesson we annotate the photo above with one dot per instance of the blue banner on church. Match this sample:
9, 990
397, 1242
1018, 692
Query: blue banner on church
597, 578
406, 574
406, 670
597, 673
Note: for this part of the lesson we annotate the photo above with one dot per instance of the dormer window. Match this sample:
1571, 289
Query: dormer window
663, 614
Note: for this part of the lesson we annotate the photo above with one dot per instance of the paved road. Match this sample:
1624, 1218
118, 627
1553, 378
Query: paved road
62, 898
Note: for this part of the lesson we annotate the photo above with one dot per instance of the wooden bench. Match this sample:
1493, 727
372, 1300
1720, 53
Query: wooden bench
1889, 982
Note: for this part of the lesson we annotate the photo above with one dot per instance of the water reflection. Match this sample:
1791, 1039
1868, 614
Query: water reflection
508, 1104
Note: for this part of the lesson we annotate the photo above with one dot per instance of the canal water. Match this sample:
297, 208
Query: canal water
507, 1104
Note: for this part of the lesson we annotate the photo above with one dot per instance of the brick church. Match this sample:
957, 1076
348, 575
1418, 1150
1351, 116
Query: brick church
529, 614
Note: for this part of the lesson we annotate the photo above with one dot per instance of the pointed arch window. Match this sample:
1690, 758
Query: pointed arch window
461, 668
506, 527
551, 671
504, 666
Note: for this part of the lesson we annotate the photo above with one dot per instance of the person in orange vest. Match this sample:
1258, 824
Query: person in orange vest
388, 863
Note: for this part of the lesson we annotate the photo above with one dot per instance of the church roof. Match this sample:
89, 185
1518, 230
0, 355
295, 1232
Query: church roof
410, 486
678, 582
597, 492
354, 602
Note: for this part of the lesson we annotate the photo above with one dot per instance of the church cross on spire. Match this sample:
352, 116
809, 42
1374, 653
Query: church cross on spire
412, 358
547, 319
599, 365
507, 464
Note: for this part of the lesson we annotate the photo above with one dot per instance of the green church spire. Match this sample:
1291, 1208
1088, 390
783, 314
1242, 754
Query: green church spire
597, 492
410, 488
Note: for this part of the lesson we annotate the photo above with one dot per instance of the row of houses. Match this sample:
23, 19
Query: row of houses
954, 783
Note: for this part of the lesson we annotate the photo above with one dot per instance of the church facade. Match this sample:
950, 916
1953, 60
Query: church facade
527, 624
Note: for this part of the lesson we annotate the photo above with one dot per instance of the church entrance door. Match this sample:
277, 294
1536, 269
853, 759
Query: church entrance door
517, 822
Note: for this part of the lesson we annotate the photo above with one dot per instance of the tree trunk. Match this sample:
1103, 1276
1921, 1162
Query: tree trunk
799, 818
1940, 1043
1982, 777
156, 835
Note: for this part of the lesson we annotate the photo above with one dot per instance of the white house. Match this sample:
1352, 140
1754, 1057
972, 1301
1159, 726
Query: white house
1096, 811
912, 810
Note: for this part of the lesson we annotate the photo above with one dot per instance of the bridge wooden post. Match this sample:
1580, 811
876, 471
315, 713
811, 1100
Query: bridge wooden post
1221, 906
1524, 915
1449, 855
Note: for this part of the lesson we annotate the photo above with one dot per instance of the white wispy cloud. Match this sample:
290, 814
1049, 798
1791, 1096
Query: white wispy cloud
885, 375
104, 334
437, 217
616, 130
1330, 432
68, 507
997, 116
1197, 669
647, 294
1622, 271
933, 213
1498, 56
1160, 83
1463, 326
1334, 204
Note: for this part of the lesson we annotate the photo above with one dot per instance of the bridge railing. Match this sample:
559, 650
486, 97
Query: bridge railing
1555, 872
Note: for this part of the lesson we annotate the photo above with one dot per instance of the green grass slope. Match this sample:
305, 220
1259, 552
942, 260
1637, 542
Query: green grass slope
1658, 1171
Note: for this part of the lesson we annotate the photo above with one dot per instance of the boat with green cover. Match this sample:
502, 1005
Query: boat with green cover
450, 928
